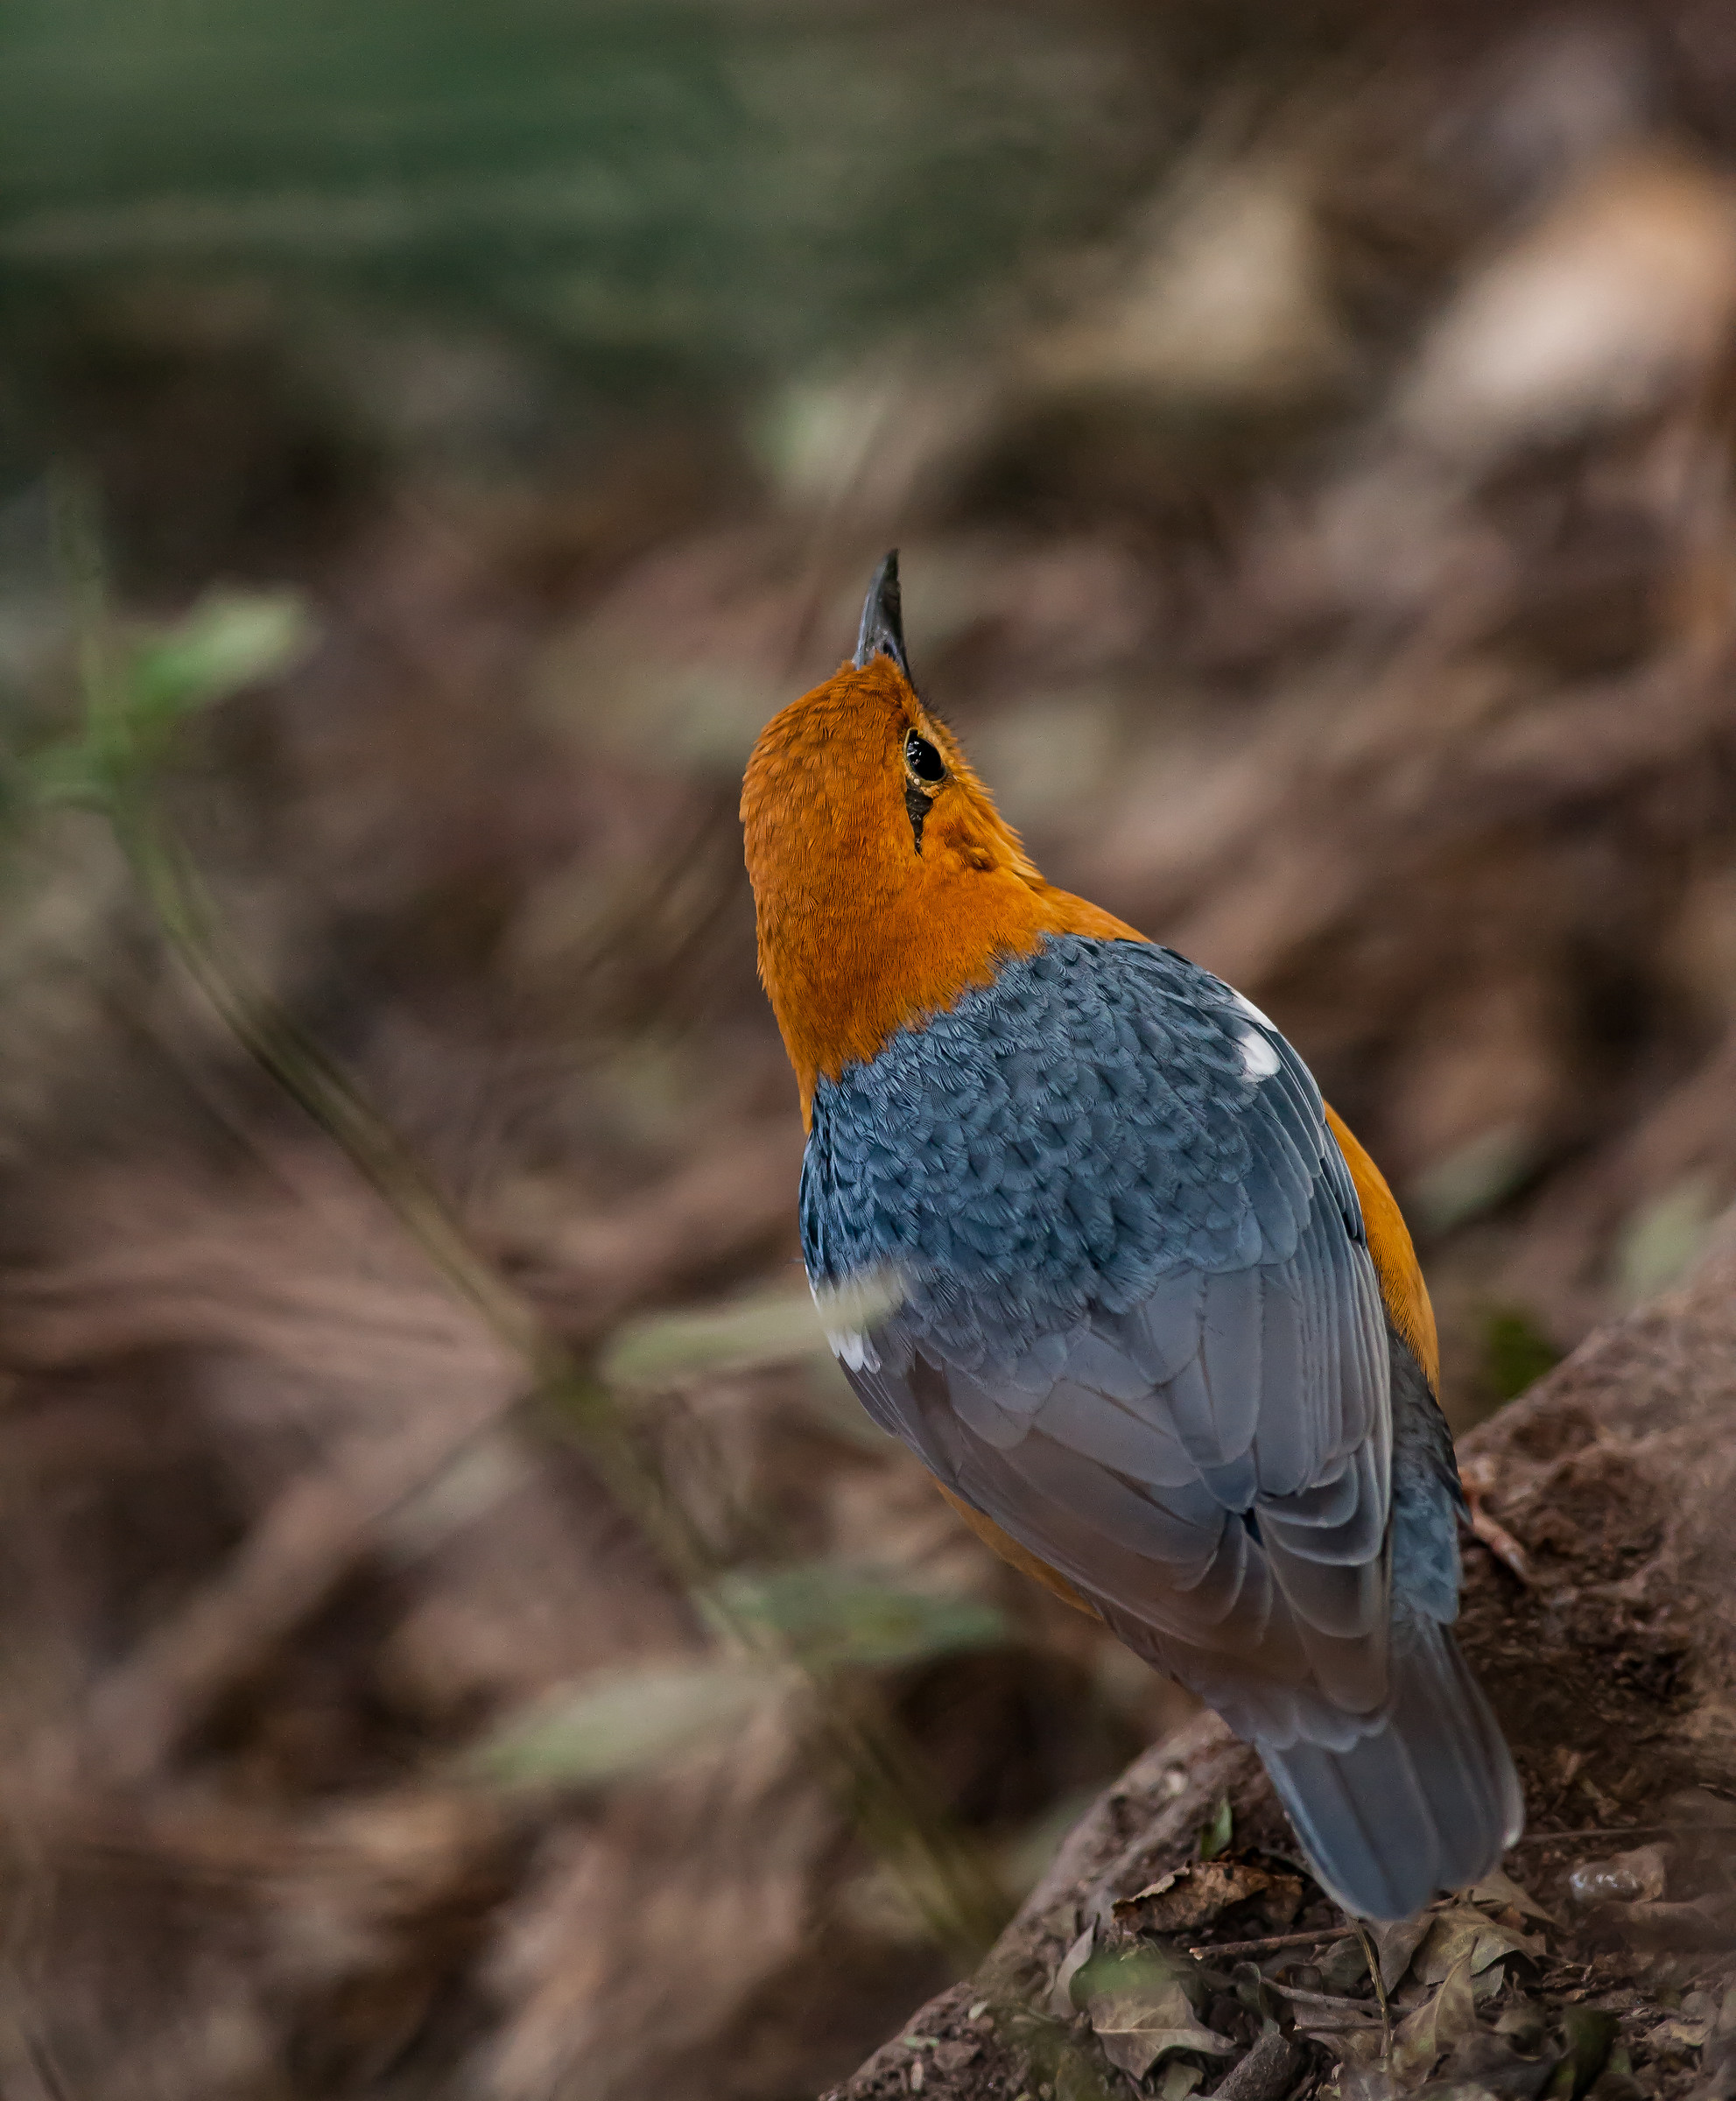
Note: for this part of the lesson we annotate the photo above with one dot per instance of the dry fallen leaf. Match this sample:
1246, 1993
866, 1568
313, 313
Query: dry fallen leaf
1195, 1896
1135, 2031
1462, 1933
1139, 2009
1446, 2019
1364, 2073
1678, 2034
1497, 1889
1442, 2048
1060, 1995
1396, 1942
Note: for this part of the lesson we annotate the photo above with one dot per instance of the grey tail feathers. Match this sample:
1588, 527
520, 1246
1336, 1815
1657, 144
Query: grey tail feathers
1430, 1802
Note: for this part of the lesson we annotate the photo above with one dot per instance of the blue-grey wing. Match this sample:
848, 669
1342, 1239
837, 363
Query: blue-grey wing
1272, 1605
1194, 1423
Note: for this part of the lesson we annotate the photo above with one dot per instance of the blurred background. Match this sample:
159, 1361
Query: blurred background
460, 1637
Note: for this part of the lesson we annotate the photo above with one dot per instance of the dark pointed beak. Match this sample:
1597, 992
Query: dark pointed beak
882, 628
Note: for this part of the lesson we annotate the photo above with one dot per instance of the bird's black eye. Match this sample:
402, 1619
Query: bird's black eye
923, 761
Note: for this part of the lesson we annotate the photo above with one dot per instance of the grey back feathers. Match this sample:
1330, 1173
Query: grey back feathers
1128, 1311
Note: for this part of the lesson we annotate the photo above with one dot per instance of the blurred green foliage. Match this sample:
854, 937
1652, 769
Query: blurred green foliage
657, 1350
1515, 1354
831, 1616
654, 185
623, 1723
1660, 1242
1215, 1836
136, 700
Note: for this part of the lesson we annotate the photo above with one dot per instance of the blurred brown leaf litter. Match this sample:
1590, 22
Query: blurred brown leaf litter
1313, 475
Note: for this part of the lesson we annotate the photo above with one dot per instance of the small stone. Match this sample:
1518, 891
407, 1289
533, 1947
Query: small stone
1623, 1877
955, 2056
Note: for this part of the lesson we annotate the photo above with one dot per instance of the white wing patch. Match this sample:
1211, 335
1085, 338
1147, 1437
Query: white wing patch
848, 1310
1259, 1060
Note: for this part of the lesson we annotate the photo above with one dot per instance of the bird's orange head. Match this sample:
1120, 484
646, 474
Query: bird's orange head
886, 883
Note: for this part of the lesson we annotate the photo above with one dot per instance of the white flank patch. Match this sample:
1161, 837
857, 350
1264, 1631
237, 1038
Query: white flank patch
850, 1346
1259, 1060
847, 1310
1248, 1008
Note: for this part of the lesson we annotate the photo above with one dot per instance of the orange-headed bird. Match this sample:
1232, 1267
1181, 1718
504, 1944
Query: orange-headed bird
1086, 1238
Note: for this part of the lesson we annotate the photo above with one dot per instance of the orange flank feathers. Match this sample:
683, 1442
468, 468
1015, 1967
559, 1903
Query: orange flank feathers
859, 935
1016, 1556
1395, 1264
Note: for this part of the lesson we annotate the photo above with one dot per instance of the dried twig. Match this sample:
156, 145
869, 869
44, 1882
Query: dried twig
1477, 1477
1631, 1833
1269, 1942
1331, 2000
1371, 1955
